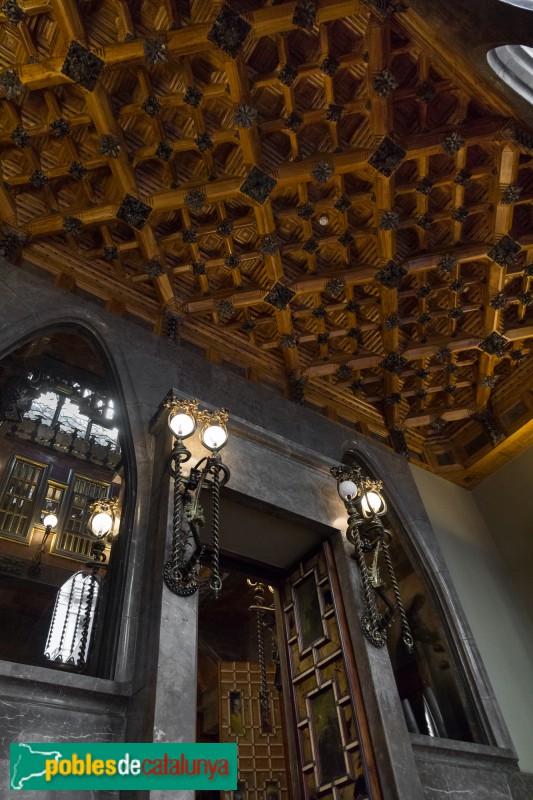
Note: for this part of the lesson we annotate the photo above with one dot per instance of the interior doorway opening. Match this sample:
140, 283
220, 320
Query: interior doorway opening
239, 691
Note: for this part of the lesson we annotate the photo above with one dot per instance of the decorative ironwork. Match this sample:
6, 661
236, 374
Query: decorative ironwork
424, 290
196, 199
110, 252
323, 171
109, 145
346, 238
171, 323
287, 75
77, 170
151, 105
424, 319
198, 268
505, 252
164, 151
153, 268
20, 136
511, 194
225, 227
366, 506
443, 355
453, 143
270, 244
394, 398
447, 263
72, 225
422, 373
288, 341
391, 274
460, 214
425, 92
355, 333
343, 373
181, 571
388, 221
329, 66
189, 236
488, 381
334, 112
82, 66
457, 285
393, 362
499, 301
203, 142
342, 204
425, 221
60, 128
245, 116
392, 321
305, 13
310, 246
258, 185
193, 96
155, 50
11, 243
232, 261
322, 338
279, 296
38, 179
456, 313
297, 383
438, 424
384, 83
425, 186
134, 212
305, 211
225, 308
11, 84
463, 177
490, 424
335, 286
525, 298
451, 368
358, 386
319, 312
294, 121
229, 31
13, 12
494, 344
387, 157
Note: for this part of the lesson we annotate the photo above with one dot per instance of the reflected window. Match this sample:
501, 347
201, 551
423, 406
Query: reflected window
71, 629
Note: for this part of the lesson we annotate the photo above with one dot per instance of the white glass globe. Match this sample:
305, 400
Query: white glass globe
101, 524
50, 521
372, 503
182, 425
214, 437
348, 490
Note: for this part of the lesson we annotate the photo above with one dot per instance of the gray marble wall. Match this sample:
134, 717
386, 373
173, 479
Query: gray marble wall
291, 450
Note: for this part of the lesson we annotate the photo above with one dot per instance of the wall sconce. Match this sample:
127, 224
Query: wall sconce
366, 506
181, 571
101, 524
49, 522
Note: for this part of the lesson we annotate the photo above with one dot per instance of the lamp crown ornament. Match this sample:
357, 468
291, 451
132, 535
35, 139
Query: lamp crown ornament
365, 504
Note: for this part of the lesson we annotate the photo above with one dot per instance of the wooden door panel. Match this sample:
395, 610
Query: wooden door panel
326, 718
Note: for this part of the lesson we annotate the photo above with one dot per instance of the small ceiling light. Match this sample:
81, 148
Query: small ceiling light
323, 219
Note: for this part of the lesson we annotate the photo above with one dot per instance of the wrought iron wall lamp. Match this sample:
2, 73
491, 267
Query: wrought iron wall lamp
265, 620
181, 571
49, 522
366, 507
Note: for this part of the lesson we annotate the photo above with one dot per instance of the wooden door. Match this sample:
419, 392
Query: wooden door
335, 757
258, 733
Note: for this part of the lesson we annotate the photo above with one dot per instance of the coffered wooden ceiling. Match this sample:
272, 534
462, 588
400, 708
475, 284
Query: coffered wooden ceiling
311, 191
